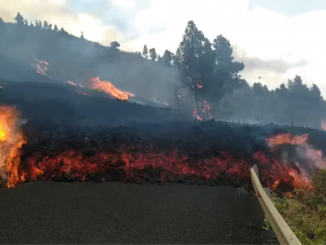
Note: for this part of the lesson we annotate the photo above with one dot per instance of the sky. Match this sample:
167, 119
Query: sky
276, 39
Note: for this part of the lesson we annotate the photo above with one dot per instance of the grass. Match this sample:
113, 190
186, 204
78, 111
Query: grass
305, 212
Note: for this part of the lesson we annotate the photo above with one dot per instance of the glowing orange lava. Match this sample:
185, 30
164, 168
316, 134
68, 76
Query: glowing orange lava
130, 164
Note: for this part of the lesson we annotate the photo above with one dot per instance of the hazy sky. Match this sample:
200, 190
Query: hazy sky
276, 39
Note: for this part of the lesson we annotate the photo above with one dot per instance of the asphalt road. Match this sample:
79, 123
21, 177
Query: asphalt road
93, 213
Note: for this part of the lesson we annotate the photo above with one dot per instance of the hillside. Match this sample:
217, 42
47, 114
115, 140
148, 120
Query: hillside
73, 59
51, 104
204, 79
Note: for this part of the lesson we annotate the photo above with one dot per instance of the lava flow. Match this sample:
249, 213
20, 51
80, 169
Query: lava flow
109, 88
119, 156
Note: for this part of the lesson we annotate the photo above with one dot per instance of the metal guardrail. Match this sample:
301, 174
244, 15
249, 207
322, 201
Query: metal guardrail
281, 229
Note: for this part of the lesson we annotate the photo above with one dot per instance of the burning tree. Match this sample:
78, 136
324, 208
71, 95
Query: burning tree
209, 69
194, 58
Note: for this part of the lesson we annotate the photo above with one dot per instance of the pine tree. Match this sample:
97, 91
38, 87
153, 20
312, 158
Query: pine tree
115, 45
226, 70
193, 52
153, 54
167, 57
45, 25
19, 19
223, 56
145, 51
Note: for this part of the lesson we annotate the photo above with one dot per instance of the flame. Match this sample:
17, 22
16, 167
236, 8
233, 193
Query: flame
41, 67
109, 88
313, 156
287, 138
11, 140
195, 115
297, 180
205, 110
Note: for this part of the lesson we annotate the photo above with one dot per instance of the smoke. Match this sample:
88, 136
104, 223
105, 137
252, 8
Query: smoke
77, 60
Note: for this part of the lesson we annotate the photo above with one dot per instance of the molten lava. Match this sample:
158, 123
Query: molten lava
109, 88
86, 159
11, 140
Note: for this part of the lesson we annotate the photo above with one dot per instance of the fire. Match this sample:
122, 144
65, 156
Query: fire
11, 140
109, 88
287, 138
205, 110
41, 67
314, 156
195, 115
297, 180
307, 152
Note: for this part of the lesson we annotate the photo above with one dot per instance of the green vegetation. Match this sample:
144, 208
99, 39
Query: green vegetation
305, 212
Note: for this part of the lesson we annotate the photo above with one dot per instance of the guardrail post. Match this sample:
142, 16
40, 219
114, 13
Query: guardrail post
267, 190
256, 170
281, 229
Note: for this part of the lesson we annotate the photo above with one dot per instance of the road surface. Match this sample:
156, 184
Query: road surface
62, 212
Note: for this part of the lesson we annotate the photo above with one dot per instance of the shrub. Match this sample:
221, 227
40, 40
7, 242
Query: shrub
305, 212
